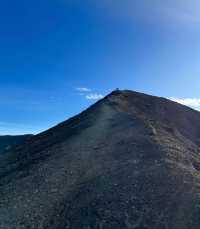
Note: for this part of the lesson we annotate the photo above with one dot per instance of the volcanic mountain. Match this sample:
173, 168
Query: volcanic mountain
130, 161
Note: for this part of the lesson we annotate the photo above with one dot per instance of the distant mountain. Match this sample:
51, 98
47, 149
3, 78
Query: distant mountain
6, 142
131, 161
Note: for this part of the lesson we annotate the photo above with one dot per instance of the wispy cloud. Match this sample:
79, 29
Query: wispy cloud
186, 12
88, 93
12, 128
191, 102
94, 96
161, 12
83, 89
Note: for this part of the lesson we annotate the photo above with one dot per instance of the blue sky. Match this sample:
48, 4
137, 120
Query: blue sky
58, 57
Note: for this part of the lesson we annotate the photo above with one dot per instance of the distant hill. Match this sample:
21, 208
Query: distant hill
6, 142
130, 161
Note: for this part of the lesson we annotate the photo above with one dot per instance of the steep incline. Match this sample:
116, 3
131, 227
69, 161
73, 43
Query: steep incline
130, 161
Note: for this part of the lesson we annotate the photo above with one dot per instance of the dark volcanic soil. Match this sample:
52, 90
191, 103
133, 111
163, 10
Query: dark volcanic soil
131, 161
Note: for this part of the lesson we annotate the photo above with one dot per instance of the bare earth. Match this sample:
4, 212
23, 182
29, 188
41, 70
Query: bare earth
131, 161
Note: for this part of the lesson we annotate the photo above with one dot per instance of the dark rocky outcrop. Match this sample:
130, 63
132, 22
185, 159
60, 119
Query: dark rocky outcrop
130, 161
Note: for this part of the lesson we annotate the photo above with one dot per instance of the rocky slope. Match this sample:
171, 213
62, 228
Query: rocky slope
130, 161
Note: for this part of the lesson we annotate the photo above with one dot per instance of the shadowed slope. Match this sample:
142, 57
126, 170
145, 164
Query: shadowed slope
129, 161
6, 141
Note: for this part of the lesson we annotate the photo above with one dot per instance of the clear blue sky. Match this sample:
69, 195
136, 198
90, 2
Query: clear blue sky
57, 56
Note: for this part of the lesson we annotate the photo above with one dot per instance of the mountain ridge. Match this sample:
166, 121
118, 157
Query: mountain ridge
129, 161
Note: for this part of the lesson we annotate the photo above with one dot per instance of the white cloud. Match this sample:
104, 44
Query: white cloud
86, 93
94, 96
191, 102
83, 89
